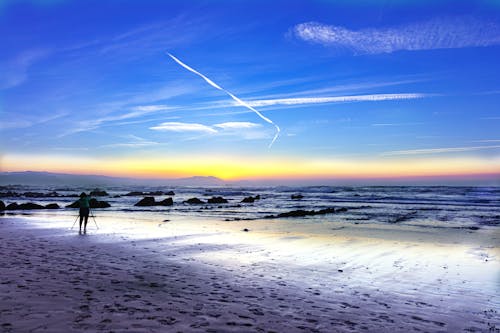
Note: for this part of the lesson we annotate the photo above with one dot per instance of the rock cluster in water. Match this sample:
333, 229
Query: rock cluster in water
153, 193
251, 199
302, 213
53, 194
194, 201
217, 200
26, 206
150, 201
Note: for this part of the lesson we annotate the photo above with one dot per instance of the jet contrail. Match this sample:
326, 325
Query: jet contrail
242, 103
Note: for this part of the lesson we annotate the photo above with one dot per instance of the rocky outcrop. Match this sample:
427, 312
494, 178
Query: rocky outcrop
53, 194
302, 213
52, 206
98, 193
154, 193
12, 206
217, 200
194, 201
150, 201
27, 206
94, 203
30, 205
2, 205
146, 202
251, 199
166, 202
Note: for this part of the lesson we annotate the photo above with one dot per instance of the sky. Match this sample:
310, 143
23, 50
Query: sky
287, 90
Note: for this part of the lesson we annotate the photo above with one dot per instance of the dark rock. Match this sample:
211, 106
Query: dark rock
339, 270
246, 230
248, 200
98, 204
154, 193
30, 205
166, 202
134, 194
217, 200
302, 213
52, 206
75, 204
41, 195
297, 196
12, 206
98, 193
194, 201
2, 205
146, 202
251, 199
9, 194
473, 228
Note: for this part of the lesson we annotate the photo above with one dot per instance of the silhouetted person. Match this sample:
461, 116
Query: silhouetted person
84, 202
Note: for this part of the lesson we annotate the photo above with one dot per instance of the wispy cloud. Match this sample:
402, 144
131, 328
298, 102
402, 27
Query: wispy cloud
240, 129
15, 71
336, 99
490, 140
183, 127
133, 142
395, 124
440, 33
153, 108
237, 125
29, 121
438, 150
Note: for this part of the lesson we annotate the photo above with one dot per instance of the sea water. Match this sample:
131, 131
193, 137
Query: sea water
419, 206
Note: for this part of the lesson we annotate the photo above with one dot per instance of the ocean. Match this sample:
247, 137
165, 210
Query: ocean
418, 206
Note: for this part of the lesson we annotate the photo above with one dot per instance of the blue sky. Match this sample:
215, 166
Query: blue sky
343, 80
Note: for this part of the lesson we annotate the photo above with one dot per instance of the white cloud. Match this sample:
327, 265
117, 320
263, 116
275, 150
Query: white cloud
335, 99
183, 127
437, 150
442, 33
153, 108
237, 125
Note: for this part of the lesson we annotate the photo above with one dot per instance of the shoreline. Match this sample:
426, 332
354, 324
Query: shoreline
218, 280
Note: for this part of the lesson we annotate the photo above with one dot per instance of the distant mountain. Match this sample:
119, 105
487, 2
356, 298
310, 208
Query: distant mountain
62, 179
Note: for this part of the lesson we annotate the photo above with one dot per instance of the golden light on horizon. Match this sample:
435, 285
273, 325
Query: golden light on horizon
237, 168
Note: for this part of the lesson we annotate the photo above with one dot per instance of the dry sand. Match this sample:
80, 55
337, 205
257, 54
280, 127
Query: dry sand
53, 280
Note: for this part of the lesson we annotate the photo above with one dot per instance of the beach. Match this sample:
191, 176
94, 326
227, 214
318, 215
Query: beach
205, 275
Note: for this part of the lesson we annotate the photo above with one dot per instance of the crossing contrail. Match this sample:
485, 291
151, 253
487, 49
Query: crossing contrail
242, 103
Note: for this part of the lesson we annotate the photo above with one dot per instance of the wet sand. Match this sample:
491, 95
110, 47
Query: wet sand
350, 280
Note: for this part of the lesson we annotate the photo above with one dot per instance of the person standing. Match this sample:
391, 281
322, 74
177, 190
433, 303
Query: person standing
84, 203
